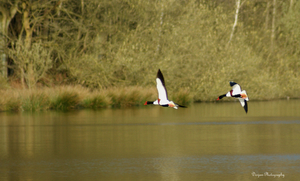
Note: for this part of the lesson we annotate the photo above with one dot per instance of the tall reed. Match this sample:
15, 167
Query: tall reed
35, 101
182, 97
96, 100
65, 98
130, 96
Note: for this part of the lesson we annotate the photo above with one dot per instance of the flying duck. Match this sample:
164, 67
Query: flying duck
238, 93
162, 93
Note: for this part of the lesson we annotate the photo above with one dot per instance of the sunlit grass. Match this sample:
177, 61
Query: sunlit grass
66, 98
35, 101
23, 100
65, 101
182, 97
129, 96
96, 100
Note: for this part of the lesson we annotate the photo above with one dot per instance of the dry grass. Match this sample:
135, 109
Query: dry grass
9, 101
96, 100
130, 96
65, 98
182, 97
208, 88
34, 101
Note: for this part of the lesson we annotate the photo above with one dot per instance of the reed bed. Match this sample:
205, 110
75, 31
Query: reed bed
64, 98
130, 96
182, 97
9, 101
96, 100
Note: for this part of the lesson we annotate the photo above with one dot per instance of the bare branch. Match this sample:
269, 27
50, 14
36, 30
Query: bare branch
238, 5
273, 25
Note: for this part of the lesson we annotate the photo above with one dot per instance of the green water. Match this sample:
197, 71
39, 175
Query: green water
207, 141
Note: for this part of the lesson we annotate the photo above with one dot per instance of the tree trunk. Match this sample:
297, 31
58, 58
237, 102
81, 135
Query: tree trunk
273, 25
26, 25
267, 15
5, 18
291, 5
238, 5
160, 27
29, 77
3, 28
22, 77
79, 35
158, 47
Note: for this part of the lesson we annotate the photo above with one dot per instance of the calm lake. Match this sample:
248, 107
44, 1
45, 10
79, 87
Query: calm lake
206, 141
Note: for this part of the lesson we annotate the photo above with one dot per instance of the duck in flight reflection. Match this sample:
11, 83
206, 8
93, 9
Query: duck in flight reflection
162, 94
238, 93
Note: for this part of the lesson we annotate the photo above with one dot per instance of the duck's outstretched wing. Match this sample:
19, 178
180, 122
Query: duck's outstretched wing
236, 88
160, 85
244, 104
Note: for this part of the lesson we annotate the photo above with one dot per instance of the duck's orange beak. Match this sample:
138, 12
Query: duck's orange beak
244, 96
145, 103
171, 105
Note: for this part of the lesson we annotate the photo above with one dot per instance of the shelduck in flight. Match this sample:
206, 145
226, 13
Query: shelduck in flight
162, 93
238, 93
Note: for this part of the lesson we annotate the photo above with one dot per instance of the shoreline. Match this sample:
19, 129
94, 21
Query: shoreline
64, 98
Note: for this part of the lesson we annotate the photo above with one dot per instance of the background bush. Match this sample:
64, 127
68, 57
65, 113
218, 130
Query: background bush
122, 43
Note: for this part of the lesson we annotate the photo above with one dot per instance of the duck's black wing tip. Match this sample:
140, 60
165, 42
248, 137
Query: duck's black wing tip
160, 76
182, 106
246, 106
232, 83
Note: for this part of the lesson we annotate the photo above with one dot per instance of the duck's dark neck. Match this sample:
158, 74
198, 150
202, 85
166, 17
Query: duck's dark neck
221, 96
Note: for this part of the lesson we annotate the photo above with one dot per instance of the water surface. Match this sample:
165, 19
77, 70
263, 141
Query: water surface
207, 141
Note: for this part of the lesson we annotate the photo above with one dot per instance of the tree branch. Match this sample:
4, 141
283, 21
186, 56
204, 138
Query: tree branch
273, 25
238, 5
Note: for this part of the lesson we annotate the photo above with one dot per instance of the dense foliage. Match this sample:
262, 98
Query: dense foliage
117, 43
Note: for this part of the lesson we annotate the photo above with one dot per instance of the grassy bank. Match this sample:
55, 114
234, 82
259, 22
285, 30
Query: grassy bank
65, 98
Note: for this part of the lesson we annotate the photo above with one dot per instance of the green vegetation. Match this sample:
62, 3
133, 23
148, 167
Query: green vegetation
130, 96
66, 98
114, 48
34, 101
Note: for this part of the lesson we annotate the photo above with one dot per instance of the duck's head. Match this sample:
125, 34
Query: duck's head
151, 102
148, 102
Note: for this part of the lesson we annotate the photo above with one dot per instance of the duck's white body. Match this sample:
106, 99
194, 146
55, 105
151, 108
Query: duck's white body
162, 93
238, 93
